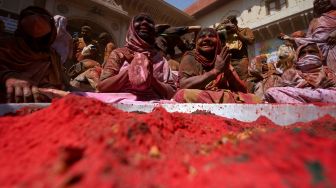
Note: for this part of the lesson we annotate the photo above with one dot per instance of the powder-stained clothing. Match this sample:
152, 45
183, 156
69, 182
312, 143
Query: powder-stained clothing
239, 51
107, 50
80, 45
85, 79
216, 91
263, 75
121, 59
300, 95
308, 82
239, 48
140, 62
18, 60
319, 31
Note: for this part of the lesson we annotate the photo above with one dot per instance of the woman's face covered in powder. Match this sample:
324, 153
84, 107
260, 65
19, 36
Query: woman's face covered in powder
145, 28
37, 31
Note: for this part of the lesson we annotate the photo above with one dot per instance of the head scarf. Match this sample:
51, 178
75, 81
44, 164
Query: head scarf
286, 54
308, 62
233, 19
207, 63
321, 6
18, 60
104, 35
86, 28
143, 58
34, 10
61, 23
133, 40
63, 41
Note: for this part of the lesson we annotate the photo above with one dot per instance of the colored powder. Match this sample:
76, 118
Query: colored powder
80, 142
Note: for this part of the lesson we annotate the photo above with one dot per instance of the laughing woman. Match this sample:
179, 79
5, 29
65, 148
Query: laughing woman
206, 76
138, 68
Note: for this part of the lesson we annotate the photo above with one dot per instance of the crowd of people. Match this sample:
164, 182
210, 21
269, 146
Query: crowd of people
43, 61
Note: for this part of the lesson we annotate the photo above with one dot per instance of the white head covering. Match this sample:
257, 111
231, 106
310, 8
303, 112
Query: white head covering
63, 42
308, 62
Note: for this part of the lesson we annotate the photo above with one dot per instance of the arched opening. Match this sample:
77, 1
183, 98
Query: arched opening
74, 26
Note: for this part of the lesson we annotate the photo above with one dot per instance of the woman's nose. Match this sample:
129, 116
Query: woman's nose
144, 22
206, 37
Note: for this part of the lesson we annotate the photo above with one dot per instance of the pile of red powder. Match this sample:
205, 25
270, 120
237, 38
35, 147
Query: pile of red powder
80, 142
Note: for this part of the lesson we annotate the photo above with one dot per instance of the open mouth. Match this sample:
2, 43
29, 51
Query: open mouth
144, 29
207, 45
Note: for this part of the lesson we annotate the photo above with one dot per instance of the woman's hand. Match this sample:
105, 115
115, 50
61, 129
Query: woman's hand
19, 90
222, 62
53, 93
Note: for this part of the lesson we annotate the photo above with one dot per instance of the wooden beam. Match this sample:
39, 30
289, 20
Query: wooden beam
307, 19
261, 35
269, 31
292, 24
303, 17
279, 27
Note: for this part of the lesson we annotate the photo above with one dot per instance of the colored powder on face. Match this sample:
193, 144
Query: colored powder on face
80, 142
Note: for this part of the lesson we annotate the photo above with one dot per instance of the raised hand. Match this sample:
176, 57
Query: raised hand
140, 72
223, 60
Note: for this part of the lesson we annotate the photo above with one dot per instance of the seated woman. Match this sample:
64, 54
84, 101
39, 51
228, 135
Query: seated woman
206, 75
136, 72
308, 82
84, 75
322, 31
27, 60
264, 75
138, 68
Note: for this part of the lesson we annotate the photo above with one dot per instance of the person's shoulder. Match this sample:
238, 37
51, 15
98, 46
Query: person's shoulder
188, 57
189, 54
